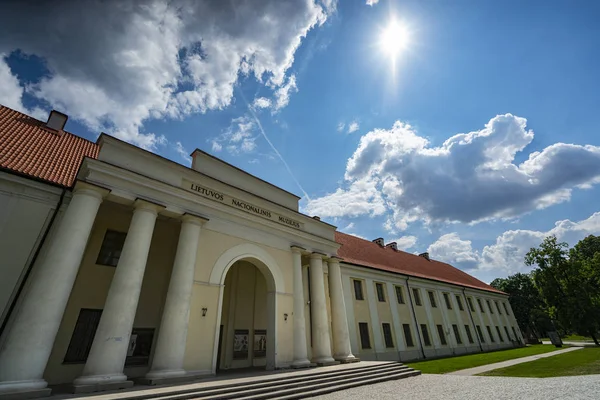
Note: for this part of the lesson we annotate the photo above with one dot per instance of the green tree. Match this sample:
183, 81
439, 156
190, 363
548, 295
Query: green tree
566, 282
526, 302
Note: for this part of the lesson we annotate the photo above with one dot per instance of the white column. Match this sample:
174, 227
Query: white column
107, 356
300, 350
321, 342
341, 336
172, 336
29, 342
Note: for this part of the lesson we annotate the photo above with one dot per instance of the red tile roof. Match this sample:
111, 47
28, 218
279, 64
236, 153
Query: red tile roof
28, 148
363, 252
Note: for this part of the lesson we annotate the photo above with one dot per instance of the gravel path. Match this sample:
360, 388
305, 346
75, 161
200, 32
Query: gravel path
454, 387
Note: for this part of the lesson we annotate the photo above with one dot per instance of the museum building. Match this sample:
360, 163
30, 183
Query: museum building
118, 264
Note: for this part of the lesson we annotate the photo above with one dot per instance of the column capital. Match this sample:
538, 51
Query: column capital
91, 190
297, 249
316, 255
334, 260
193, 219
146, 205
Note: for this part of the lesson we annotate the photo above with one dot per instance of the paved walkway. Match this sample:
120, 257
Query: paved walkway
490, 367
574, 343
446, 387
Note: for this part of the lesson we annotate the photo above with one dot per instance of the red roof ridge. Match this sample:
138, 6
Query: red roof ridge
363, 252
27, 147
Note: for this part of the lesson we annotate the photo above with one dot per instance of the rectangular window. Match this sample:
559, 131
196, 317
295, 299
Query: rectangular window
480, 334
457, 334
440, 330
480, 305
469, 335
460, 304
470, 301
387, 335
425, 333
498, 308
140, 344
505, 309
507, 334
447, 300
380, 294
489, 330
358, 292
499, 334
399, 295
408, 335
111, 248
432, 299
83, 336
365, 341
515, 333
417, 296
489, 307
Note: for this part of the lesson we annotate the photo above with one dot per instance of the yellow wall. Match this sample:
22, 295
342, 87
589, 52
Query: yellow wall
93, 281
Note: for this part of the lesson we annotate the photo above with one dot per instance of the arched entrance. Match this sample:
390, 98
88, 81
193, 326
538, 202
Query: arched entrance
246, 334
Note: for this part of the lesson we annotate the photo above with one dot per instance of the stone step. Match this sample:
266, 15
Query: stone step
286, 387
235, 390
312, 391
299, 376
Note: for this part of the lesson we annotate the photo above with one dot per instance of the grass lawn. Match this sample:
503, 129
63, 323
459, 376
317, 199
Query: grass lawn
579, 362
573, 338
450, 364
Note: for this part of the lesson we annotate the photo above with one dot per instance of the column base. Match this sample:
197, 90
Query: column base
100, 383
346, 359
24, 389
102, 387
302, 364
26, 394
325, 361
166, 377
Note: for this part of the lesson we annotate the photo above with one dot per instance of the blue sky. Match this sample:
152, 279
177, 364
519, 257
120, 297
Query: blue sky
364, 133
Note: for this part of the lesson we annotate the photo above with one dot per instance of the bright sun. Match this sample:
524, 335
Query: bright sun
394, 38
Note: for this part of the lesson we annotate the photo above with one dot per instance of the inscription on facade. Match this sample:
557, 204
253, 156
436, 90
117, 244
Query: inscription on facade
242, 205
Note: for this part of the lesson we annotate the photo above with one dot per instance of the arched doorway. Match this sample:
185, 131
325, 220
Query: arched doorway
246, 334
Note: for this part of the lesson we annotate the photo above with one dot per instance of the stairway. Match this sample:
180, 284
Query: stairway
297, 385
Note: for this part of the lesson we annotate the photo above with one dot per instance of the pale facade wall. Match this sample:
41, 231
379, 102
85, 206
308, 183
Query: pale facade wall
26, 208
93, 281
375, 313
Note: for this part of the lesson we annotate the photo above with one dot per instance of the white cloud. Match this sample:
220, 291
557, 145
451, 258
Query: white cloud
372, 2
11, 93
182, 152
216, 146
506, 256
406, 242
348, 227
240, 137
469, 178
360, 199
341, 126
451, 249
282, 95
262, 102
113, 66
353, 127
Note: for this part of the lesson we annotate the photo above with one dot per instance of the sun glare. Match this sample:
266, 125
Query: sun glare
394, 38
